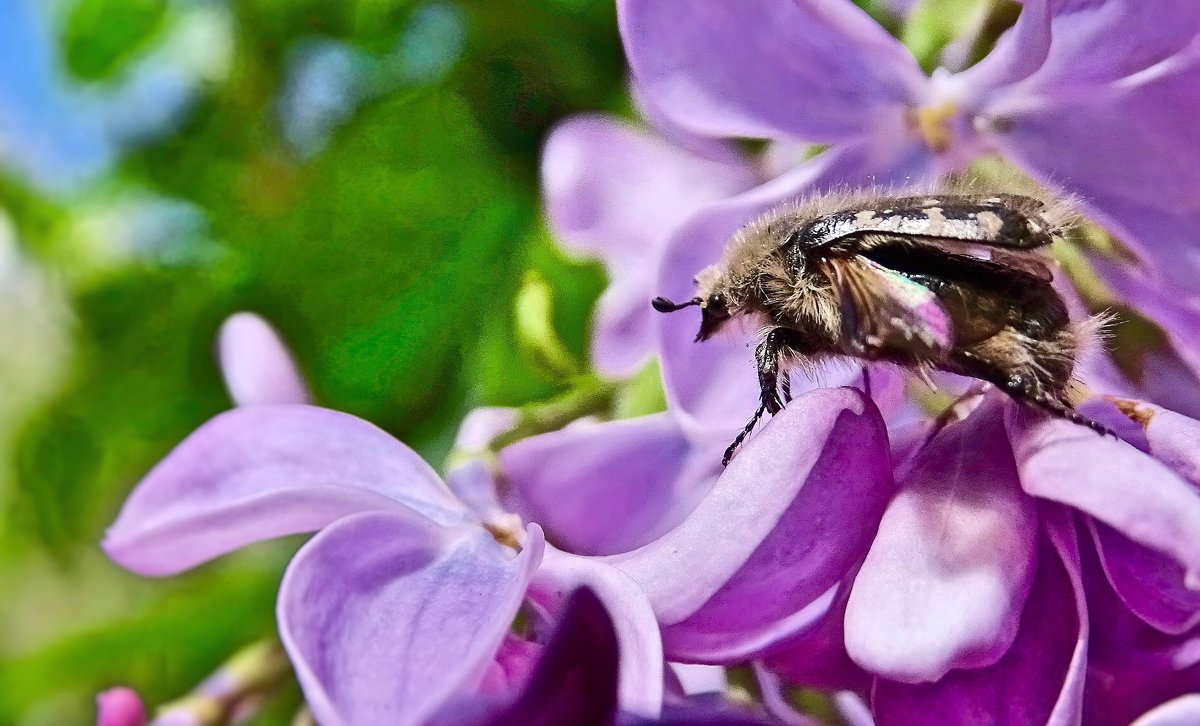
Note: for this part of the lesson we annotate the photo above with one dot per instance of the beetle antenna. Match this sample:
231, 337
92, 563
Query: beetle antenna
663, 305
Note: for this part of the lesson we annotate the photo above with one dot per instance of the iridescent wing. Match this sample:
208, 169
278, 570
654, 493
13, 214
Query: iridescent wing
888, 315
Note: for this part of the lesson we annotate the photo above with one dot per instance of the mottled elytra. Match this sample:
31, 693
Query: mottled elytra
954, 282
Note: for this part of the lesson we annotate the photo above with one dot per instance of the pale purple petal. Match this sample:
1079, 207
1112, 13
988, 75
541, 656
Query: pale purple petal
386, 616
469, 472
817, 656
697, 678
1130, 151
265, 471
712, 387
482, 425
607, 487
1100, 41
1110, 480
119, 706
741, 571
1174, 440
257, 366
617, 193
1176, 313
1019, 52
1182, 711
641, 668
1040, 678
948, 573
623, 329
1150, 583
812, 69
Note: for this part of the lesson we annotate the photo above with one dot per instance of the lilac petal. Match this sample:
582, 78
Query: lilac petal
482, 425
712, 386
265, 471
1174, 440
1150, 583
576, 679
1101, 42
386, 615
606, 487
641, 671
811, 69
741, 571
817, 656
1142, 185
1133, 667
623, 331
1178, 316
618, 193
1040, 678
1110, 480
119, 706
514, 661
257, 366
697, 678
469, 471
948, 573
1182, 711
1018, 53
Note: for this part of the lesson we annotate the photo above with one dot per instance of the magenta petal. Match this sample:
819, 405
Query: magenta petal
712, 387
575, 681
119, 706
603, 488
1150, 583
265, 471
257, 366
741, 571
817, 655
641, 670
1038, 681
944, 582
386, 615
812, 69
1182, 711
1112, 481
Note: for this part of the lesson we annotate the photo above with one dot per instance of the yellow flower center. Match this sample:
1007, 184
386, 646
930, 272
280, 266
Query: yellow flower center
933, 123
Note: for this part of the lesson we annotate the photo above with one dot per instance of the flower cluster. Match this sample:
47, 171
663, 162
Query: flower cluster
982, 565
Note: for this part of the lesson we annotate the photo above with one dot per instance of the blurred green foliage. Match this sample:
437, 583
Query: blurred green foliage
390, 255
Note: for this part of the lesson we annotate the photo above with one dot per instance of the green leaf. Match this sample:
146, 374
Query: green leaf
100, 36
535, 329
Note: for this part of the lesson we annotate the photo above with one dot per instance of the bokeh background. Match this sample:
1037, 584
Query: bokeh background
363, 173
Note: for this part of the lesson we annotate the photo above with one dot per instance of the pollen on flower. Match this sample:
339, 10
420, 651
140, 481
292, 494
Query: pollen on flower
933, 123
507, 530
1133, 410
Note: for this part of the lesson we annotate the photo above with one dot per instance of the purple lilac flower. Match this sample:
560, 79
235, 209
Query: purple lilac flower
405, 597
763, 549
617, 192
1099, 98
